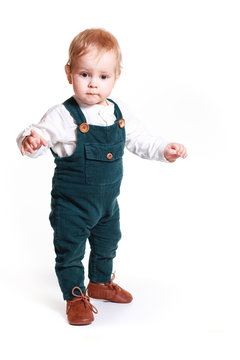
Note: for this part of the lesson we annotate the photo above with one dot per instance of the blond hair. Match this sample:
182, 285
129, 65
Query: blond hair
99, 38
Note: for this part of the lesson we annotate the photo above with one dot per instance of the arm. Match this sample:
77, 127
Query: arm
37, 139
147, 146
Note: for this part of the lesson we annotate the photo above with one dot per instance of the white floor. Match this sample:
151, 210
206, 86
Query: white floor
165, 321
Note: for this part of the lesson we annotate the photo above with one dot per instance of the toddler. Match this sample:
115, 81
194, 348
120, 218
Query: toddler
87, 135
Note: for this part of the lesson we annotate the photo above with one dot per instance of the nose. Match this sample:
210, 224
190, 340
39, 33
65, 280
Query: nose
92, 83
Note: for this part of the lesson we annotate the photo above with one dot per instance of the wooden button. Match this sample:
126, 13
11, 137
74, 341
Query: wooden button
84, 127
121, 123
109, 156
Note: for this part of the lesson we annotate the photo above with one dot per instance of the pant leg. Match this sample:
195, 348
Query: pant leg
70, 234
103, 241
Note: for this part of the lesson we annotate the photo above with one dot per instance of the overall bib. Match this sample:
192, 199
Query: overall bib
84, 203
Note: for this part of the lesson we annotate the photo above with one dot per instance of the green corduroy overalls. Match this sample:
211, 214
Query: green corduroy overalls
84, 203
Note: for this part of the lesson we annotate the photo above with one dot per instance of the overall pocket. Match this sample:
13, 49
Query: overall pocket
103, 163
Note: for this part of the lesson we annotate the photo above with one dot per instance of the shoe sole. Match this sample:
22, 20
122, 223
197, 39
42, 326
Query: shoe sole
82, 323
117, 302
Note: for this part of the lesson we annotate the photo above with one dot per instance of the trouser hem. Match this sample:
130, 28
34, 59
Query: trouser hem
70, 296
100, 280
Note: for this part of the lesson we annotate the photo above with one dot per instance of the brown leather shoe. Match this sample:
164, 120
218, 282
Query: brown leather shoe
79, 309
109, 291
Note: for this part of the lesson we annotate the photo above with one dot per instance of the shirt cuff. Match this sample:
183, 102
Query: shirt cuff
161, 152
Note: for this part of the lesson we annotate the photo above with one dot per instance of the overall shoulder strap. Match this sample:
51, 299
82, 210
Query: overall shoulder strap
72, 106
117, 111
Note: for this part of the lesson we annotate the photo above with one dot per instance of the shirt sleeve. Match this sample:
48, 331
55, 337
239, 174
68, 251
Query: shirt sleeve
50, 128
139, 141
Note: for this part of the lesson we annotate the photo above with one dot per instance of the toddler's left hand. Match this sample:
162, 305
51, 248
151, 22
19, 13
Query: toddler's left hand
173, 151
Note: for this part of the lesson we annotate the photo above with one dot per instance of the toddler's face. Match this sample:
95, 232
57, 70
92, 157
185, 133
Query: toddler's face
93, 76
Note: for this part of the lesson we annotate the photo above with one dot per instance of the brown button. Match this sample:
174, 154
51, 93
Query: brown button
121, 123
84, 127
109, 156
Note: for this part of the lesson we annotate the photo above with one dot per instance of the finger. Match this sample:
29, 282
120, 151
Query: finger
31, 142
180, 148
36, 144
172, 151
43, 141
29, 148
34, 133
183, 153
22, 151
180, 152
174, 146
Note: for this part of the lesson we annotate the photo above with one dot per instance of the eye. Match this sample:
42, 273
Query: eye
104, 77
84, 74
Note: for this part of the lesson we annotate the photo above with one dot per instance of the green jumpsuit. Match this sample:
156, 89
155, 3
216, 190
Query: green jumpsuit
84, 203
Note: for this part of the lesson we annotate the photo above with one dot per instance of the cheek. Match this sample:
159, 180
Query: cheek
79, 84
109, 86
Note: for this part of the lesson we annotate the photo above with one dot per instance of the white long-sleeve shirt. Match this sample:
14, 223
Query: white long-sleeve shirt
59, 130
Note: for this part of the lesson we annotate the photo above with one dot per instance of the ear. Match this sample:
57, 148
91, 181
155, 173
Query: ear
117, 76
68, 73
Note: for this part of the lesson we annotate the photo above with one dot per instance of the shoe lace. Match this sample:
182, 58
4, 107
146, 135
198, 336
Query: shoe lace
81, 297
112, 285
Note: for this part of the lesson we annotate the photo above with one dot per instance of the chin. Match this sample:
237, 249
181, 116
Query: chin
92, 102
89, 102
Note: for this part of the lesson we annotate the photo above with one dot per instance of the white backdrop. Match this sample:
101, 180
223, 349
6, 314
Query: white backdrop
179, 254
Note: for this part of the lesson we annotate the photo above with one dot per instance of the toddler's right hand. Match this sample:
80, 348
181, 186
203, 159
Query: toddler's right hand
32, 143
